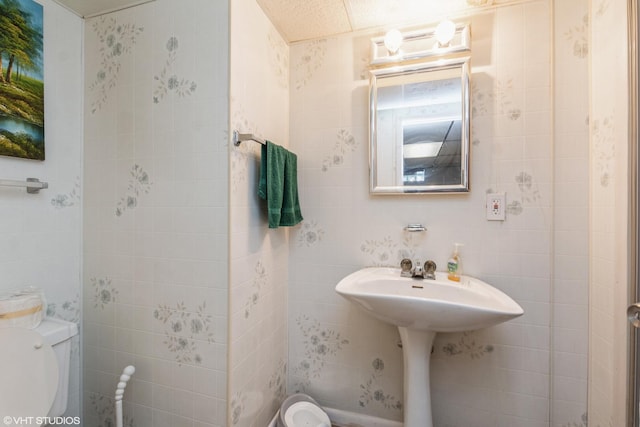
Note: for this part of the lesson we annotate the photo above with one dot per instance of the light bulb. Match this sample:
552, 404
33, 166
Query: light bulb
393, 41
445, 32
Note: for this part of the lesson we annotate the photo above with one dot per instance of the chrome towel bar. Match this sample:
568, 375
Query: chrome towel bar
33, 185
240, 137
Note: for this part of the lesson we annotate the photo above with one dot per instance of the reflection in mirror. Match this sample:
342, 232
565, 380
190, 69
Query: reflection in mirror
431, 152
420, 128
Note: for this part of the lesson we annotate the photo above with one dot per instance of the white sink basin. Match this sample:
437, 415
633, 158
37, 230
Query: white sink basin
421, 308
439, 305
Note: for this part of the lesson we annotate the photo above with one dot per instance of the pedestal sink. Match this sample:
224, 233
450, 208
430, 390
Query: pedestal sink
420, 308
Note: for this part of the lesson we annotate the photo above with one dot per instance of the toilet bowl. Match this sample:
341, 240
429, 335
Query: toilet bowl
34, 367
300, 410
306, 414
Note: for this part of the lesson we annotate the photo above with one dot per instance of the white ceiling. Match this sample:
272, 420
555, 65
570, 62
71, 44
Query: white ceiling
305, 19
302, 20
88, 8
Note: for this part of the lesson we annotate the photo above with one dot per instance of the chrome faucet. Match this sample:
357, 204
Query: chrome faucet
416, 269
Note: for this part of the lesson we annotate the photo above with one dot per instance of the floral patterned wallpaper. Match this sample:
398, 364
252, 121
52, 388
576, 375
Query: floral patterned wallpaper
72, 198
137, 185
307, 64
259, 281
103, 292
319, 344
372, 394
259, 92
348, 229
309, 234
466, 346
278, 52
155, 292
167, 81
388, 252
578, 35
334, 180
41, 234
104, 407
609, 90
345, 142
604, 144
182, 329
116, 40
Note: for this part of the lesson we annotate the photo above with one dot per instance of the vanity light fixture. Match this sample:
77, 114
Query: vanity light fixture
392, 41
444, 33
398, 46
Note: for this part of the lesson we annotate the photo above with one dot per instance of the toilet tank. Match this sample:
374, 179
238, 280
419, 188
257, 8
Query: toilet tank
58, 333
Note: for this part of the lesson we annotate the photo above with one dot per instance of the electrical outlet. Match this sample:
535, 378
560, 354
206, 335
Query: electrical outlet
496, 206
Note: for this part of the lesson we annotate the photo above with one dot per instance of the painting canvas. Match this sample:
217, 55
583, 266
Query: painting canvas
21, 79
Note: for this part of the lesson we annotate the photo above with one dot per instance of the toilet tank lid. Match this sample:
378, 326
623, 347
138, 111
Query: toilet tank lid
55, 331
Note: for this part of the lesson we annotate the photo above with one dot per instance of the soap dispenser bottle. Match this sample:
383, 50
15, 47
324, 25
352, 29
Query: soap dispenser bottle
454, 265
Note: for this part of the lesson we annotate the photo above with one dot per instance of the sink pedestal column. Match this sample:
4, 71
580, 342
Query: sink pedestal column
416, 352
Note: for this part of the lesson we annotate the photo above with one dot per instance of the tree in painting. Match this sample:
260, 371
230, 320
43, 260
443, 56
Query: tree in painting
21, 80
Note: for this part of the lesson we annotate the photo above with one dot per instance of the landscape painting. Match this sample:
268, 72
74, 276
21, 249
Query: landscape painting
21, 79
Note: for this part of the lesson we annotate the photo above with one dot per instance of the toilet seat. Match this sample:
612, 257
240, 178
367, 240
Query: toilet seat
306, 414
29, 372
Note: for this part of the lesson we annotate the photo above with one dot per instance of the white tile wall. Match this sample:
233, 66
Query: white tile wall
571, 198
608, 222
41, 233
156, 201
499, 376
160, 104
259, 256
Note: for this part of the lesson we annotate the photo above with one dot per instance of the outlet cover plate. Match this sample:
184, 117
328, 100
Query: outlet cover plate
496, 206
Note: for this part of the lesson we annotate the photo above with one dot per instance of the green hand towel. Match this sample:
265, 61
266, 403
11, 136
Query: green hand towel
279, 185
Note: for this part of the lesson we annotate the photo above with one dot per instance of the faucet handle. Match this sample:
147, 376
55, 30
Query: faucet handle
430, 269
405, 266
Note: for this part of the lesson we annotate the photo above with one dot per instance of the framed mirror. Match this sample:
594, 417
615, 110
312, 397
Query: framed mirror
420, 127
